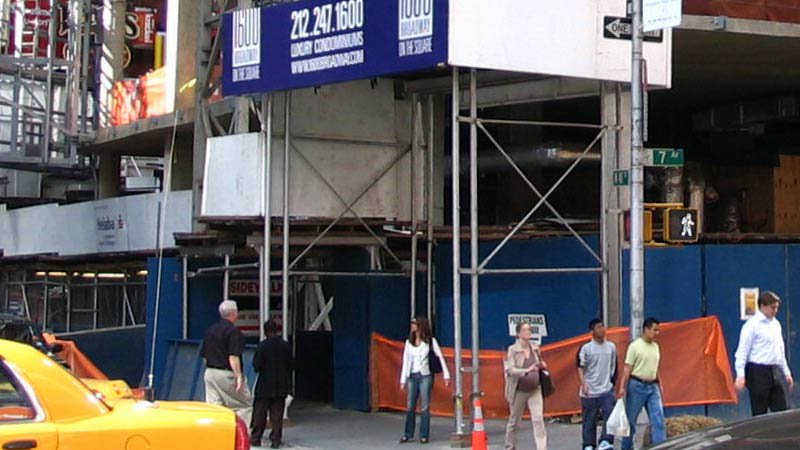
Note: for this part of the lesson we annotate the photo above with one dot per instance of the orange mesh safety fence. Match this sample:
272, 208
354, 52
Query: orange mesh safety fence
81, 366
694, 370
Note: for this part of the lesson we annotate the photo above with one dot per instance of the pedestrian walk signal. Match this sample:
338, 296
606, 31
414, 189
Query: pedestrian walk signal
680, 225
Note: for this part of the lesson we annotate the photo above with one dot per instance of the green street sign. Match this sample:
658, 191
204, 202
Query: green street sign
621, 178
664, 157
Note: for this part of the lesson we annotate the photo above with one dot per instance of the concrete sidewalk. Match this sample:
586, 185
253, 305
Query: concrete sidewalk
316, 426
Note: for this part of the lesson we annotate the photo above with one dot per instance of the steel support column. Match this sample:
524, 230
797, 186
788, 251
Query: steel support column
285, 269
610, 206
415, 116
474, 234
429, 211
266, 191
185, 297
456, 242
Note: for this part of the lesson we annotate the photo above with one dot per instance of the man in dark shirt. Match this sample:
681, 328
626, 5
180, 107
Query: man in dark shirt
273, 363
222, 349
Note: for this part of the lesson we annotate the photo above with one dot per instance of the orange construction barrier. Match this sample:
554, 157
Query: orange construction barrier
695, 370
81, 366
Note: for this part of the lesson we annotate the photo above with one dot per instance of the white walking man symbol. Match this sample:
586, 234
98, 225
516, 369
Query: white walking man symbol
687, 223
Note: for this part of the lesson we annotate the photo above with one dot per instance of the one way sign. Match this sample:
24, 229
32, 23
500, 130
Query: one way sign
622, 28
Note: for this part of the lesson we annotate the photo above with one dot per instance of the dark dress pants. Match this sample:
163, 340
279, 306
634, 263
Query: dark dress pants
261, 407
765, 384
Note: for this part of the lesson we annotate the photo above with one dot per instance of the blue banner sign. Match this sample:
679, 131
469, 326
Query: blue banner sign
316, 42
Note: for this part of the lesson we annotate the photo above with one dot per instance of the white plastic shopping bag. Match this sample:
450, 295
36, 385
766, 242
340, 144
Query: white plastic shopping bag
618, 421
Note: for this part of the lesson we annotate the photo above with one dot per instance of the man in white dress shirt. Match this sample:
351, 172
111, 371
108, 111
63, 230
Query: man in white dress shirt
761, 360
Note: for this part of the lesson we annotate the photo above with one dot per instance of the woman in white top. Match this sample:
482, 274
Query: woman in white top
417, 374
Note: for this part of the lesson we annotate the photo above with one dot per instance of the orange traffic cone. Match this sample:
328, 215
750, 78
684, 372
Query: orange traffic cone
479, 439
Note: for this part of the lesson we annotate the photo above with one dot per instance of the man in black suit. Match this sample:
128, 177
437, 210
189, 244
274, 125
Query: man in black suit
273, 364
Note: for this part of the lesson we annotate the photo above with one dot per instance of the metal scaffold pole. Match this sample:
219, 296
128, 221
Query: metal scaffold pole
285, 271
413, 192
473, 233
429, 211
265, 288
637, 176
459, 394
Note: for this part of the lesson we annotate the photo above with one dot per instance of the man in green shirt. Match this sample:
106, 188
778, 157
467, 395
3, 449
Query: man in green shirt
640, 382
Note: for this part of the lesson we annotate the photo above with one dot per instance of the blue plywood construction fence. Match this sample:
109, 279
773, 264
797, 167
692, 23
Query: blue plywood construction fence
686, 282
170, 311
682, 282
568, 300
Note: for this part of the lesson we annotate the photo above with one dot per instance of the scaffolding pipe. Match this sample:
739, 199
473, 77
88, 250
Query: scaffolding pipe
539, 203
24, 291
222, 268
161, 220
184, 296
414, 238
348, 207
226, 278
637, 176
473, 234
51, 44
343, 274
15, 112
124, 300
513, 164
606, 166
542, 270
266, 247
95, 304
285, 268
535, 123
456, 241
429, 213
86, 35
68, 295
47, 302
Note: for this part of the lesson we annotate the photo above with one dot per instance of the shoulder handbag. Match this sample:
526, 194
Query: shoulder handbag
548, 388
434, 364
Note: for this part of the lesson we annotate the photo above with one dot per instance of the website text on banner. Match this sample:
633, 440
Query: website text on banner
695, 370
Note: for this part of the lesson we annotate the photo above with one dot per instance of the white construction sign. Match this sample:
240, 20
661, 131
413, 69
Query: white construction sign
659, 14
538, 324
551, 37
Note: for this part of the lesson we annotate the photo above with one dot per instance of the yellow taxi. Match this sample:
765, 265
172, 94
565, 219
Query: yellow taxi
45, 407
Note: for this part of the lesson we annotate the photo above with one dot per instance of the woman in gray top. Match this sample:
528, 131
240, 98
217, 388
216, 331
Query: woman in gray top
522, 364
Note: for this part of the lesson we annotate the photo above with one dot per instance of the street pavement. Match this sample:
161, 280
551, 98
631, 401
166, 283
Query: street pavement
317, 426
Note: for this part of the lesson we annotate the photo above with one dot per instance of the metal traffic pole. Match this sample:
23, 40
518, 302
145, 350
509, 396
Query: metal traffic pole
637, 175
